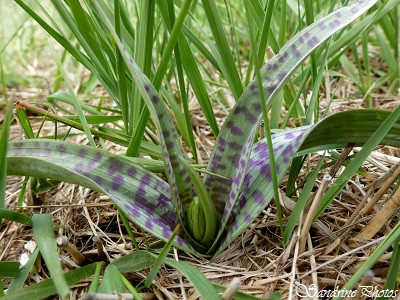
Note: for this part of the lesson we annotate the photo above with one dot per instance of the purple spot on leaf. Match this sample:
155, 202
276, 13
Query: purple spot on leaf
115, 165
235, 159
79, 168
166, 232
161, 201
98, 157
236, 131
289, 136
271, 88
237, 110
221, 144
117, 182
281, 76
258, 197
257, 107
146, 179
82, 153
131, 172
61, 148
235, 146
313, 42
283, 57
334, 24
156, 99
98, 180
247, 218
295, 51
133, 210
149, 224
165, 133
170, 144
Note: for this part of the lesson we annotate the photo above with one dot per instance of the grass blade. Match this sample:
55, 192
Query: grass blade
200, 282
15, 217
5, 131
47, 287
72, 93
44, 238
19, 279
227, 65
160, 258
134, 261
9, 268
112, 281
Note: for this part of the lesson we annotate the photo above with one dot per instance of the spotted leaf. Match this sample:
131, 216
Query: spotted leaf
330, 133
231, 154
180, 183
142, 196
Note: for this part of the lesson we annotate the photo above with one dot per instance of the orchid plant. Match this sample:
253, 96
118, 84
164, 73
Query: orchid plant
237, 184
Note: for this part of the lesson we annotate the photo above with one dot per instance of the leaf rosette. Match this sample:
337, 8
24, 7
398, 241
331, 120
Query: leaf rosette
237, 184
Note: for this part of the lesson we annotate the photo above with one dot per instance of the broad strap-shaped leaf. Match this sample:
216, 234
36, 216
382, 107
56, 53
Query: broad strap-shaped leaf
142, 196
180, 183
257, 186
336, 131
234, 143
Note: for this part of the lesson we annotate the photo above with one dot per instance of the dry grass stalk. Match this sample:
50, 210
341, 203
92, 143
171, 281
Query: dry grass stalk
392, 177
311, 213
231, 289
379, 220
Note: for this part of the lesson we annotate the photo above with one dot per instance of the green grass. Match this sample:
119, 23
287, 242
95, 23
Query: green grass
210, 51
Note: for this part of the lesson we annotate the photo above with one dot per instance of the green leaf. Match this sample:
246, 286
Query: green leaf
160, 258
180, 184
112, 281
143, 259
44, 238
227, 64
141, 195
379, 136
5, 131
355, 126
233, 146
9, 268
134, 261
47, 287
330, 133
15, 217
200, 282
19, 279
